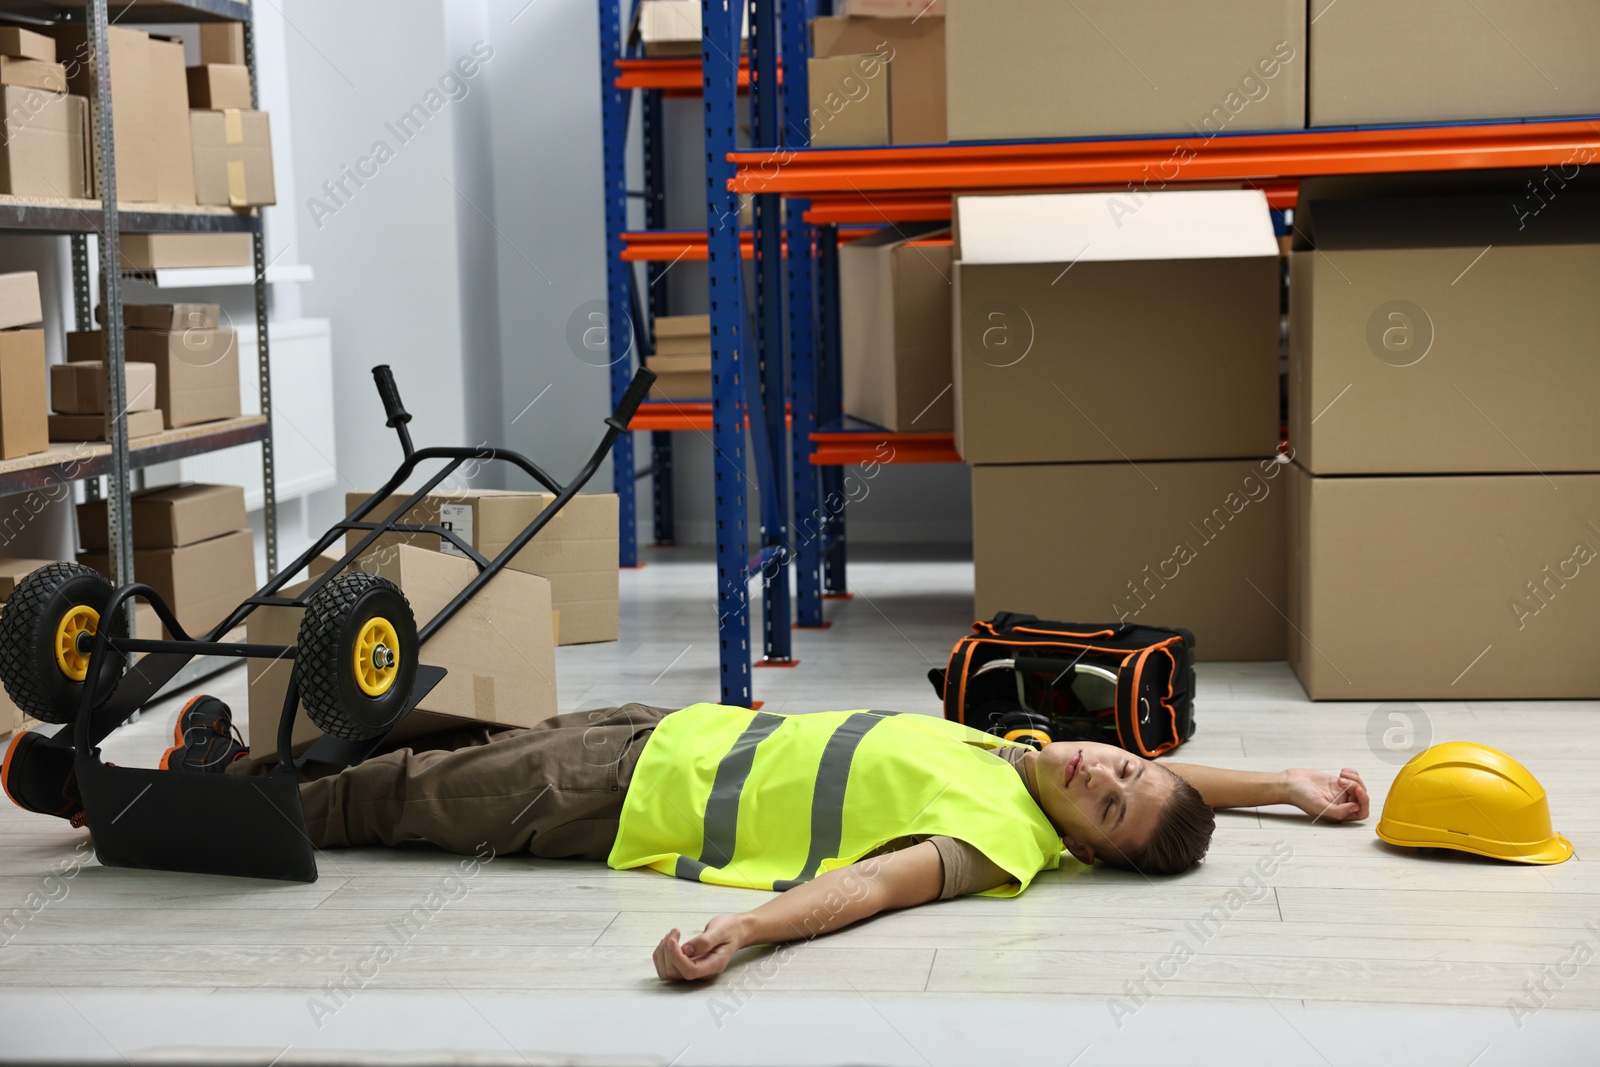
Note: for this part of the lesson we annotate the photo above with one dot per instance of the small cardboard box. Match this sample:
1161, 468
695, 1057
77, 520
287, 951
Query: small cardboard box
222, 42
93, 427
681, 385
169, 123
683, 335
133, 120
165, 316
1374, 61
913, 50
19, 299
894, 317
672, 27
890, 9
1091, 327
577, 551
1444, 587
197, 372
156, 251
1444, 334
849, 100
79, 388
13, 570
1195, 544
24, 403
201, 582
220, 85
170, 516
33, 74
1041, 68
25, 44
45, 149
498, 649
232, 158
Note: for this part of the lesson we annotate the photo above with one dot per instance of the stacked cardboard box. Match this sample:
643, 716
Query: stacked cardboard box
13, 571
672, 27
45, 148
232, 142
1116, 388
195, 359
682, 359
1040, 68
191, 544
23, 424
1445, 503
877, 80
577, 551
894, 319
79, 393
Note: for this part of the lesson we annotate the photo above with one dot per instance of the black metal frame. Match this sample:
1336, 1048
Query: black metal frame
216, 823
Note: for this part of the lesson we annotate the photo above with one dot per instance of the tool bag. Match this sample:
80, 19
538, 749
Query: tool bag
1034, 681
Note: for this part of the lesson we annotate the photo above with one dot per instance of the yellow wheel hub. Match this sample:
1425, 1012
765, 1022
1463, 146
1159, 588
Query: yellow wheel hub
78, 620
377, 656
1036, 735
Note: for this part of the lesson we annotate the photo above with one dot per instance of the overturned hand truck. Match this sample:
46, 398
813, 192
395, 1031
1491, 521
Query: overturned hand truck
64, 658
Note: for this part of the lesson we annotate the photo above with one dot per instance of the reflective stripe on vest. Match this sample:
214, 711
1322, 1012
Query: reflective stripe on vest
734, 797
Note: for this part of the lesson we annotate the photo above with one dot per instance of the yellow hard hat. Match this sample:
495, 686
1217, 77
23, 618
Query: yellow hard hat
1473, 798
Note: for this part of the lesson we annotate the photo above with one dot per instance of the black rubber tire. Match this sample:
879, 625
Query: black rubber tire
325, 650
28, 667
1024, 720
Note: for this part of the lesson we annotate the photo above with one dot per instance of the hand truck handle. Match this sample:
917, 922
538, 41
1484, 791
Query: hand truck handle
628, 406
392, 407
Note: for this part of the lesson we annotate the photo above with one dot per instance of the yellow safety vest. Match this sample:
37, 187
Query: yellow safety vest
764, 800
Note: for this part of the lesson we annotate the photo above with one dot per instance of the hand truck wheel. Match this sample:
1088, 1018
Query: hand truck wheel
356, 655
46, 634
1025, 727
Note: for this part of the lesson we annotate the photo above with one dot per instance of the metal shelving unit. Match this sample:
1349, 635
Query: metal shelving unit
105, 219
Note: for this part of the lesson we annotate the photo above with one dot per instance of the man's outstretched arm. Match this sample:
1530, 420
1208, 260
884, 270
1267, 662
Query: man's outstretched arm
1338, 797
827, 903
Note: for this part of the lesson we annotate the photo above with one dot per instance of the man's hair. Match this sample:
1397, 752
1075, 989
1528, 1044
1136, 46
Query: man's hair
1181, 837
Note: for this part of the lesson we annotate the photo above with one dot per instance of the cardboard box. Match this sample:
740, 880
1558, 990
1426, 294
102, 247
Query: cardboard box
33, 74
672, 27
45, 149
1091, 328
499, 650
169, 516
133, 120
201, 582
93, 427
849, 100
1040, 68
894, 316
1198, 545
577, 551
232, 158
25, 44
1439, 61
154, 251
1444, 334
13, 570
890, 9
19, 299
197, 372
681, 385
1444, 587
24, 407
914, 50
169, 123
80, 388
165, 316
683, 335
219, 86
222, 42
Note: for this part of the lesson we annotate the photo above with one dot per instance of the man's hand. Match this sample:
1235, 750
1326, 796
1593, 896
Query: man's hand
1338, 797
706, 954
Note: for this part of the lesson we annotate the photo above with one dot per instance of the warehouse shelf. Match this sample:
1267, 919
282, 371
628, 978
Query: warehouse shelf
66, 461
206, 277
678, 415
848, 442
673, 76
52, 215
134, 11
670, 246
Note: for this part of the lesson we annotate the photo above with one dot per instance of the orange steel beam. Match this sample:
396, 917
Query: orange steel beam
669, 246
677, 77
679, 415
1157, 162
851, 447
832, 209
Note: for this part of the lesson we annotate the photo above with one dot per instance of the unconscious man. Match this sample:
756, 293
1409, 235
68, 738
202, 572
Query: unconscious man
845, 814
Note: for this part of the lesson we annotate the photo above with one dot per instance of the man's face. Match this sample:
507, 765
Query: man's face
1098, 796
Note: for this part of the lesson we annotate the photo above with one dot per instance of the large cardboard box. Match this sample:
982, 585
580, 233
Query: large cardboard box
219, 86
1445, 334
1444, 587
232, 158
197, 372
13, 570
19, 299
169, 516
222, 42
577, 551
913, 49
24, 403
849, 100
1041, 68
80, 388
133, 119
154, 251
45, 149
499, 650
93, 427
33, 74
894, 316
16, 41
169, 123
1374, 61
165, 316
1098, 326
1198, 545
201, 582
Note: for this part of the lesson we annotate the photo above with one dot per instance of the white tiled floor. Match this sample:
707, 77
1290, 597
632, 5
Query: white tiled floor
1350, 952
